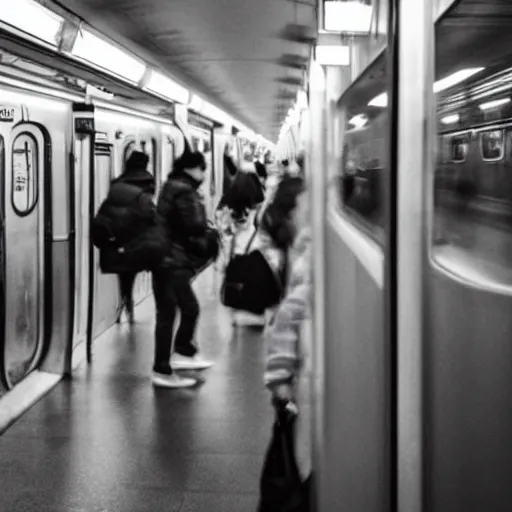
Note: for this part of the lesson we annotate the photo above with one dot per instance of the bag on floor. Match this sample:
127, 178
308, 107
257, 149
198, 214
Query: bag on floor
249, 283
281, 486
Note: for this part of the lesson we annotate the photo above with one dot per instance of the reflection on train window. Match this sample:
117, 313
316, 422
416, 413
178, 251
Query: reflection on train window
24, 174
492, 145
472, 223
364, 127
460, 144
195, 144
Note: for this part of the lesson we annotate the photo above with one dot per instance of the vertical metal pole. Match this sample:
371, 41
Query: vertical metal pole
415, 159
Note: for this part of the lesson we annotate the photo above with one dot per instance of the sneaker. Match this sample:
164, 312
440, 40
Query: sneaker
163, 380
179, 362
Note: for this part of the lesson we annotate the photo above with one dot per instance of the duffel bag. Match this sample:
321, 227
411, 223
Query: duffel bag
250, 284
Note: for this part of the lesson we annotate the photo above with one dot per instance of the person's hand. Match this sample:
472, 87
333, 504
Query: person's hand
283, 392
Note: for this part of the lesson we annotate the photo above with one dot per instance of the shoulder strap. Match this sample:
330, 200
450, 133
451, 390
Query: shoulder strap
251, 240
284, 271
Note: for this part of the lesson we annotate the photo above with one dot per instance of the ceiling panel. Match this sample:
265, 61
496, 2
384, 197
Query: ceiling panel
229, 50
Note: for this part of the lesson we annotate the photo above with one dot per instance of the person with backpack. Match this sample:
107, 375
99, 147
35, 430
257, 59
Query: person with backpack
256, 273
191, 244
121, 225
277, 229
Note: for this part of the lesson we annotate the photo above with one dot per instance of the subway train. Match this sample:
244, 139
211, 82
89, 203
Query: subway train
412, 204
59, 150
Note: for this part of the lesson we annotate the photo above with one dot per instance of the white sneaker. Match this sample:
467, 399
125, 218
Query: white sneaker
179, 362
163, 380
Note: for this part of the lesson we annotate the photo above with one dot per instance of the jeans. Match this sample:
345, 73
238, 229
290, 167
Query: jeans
172, 292
126, 282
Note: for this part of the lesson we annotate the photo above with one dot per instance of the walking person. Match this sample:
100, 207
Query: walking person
119, 229
191, 244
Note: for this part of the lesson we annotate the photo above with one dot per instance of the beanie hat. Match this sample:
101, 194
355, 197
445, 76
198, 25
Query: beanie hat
137, 161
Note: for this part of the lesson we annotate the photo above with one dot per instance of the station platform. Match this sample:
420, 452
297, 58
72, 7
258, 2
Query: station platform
107, 441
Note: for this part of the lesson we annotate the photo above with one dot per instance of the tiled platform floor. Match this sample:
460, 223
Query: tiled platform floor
108, 442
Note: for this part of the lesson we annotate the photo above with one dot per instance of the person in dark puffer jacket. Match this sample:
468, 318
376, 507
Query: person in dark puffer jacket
182, 216
130, 202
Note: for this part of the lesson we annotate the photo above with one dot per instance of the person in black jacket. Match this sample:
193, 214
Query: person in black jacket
182, 217
130, 203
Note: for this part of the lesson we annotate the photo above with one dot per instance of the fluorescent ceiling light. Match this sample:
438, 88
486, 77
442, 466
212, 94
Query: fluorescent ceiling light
164, 86
359, 120
352, 17
379, 101
334, 55
99, 52
455, 78
445, 83
196, 103
450, 119
302, 99
215, 113
494, 104
32, 18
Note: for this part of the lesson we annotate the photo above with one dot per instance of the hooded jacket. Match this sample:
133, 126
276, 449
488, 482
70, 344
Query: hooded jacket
182, 217
126, 216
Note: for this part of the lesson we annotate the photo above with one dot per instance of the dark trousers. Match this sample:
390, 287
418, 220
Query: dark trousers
126, 282
172, 292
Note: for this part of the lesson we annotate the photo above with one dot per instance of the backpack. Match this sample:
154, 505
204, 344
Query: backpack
249, 283
127, 242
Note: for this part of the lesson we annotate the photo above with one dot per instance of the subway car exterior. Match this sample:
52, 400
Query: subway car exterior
62, 141
408, 167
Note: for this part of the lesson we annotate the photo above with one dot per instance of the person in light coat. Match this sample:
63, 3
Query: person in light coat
289, 336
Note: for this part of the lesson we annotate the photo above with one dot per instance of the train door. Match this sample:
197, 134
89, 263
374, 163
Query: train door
168, 149
82, 181
202, 140
26, 227
105, 286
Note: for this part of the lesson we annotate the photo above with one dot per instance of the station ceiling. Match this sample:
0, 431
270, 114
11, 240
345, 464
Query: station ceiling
238, 54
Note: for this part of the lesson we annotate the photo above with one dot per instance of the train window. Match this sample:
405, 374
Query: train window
195, 144
363, 124
459, 146
24, 174
472, 210
492, 145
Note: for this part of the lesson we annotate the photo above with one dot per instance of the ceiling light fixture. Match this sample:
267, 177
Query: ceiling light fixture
32, 18
450, 119
380, 101
332, 55
302, 99
445, 83
349, 17
455, 78
359, 120
105, 55
493, 104
168, 88
196, 103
